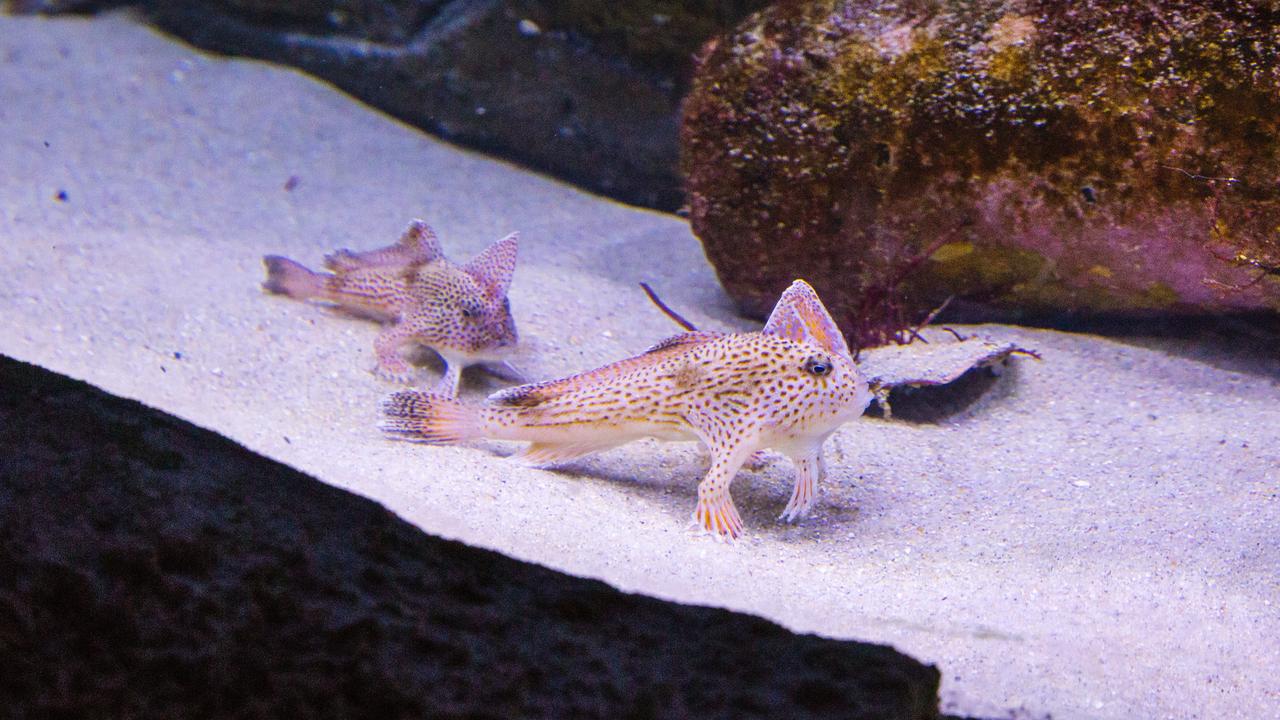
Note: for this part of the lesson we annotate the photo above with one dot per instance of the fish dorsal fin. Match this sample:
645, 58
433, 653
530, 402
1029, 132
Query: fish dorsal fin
689, 338
417, 246
494, 267
420, 244
801, 316
529, 396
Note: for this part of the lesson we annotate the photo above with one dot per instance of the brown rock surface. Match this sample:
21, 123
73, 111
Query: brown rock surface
149, 568
1029, 157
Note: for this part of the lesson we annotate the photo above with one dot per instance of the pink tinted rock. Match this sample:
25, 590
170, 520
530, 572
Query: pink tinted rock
1029, 158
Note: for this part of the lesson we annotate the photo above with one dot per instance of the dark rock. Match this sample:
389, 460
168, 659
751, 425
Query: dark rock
52, 7
149, 568
1030, 157
580, 89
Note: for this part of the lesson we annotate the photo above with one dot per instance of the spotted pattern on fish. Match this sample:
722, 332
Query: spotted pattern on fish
461, 312
787, 387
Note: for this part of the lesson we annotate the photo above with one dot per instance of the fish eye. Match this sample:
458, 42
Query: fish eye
818, 366
470, 311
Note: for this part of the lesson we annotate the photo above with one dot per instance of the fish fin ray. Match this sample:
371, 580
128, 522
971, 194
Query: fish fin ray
417, 246
535, 394
542, 454
531, 395
695, 337
293, 279
430, 417
494, 267
801, 316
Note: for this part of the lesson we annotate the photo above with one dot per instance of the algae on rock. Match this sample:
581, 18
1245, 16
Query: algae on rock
1027, 157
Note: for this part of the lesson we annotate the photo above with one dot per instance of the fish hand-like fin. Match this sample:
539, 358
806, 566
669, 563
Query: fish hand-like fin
810, 470
801, 316
715, 512
505, 370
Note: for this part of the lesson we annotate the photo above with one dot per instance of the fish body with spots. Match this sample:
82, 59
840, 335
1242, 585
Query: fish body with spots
787, 387
459, 311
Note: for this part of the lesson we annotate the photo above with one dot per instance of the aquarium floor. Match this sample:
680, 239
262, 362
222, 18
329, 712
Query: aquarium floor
1094, 535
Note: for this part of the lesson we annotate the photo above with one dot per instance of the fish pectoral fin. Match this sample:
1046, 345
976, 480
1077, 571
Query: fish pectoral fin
504, 370
716, 513
810, 469
544, 454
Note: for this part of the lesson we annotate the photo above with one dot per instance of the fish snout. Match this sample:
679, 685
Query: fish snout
505, 334
499, 342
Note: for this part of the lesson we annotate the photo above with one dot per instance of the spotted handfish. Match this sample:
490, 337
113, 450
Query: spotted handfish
787, 387
460, 311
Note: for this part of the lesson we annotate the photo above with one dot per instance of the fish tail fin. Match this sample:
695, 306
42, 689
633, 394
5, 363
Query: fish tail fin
429, 417
286, 277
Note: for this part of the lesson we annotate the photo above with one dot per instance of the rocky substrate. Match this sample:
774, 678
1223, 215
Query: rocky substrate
149, 568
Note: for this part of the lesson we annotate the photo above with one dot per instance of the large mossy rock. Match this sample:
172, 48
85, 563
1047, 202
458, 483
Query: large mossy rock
152, 569
1026, 157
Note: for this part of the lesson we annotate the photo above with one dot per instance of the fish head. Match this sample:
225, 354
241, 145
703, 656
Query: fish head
485, 326
492, 271
821, 385
816, 389
470, 305
464, 316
